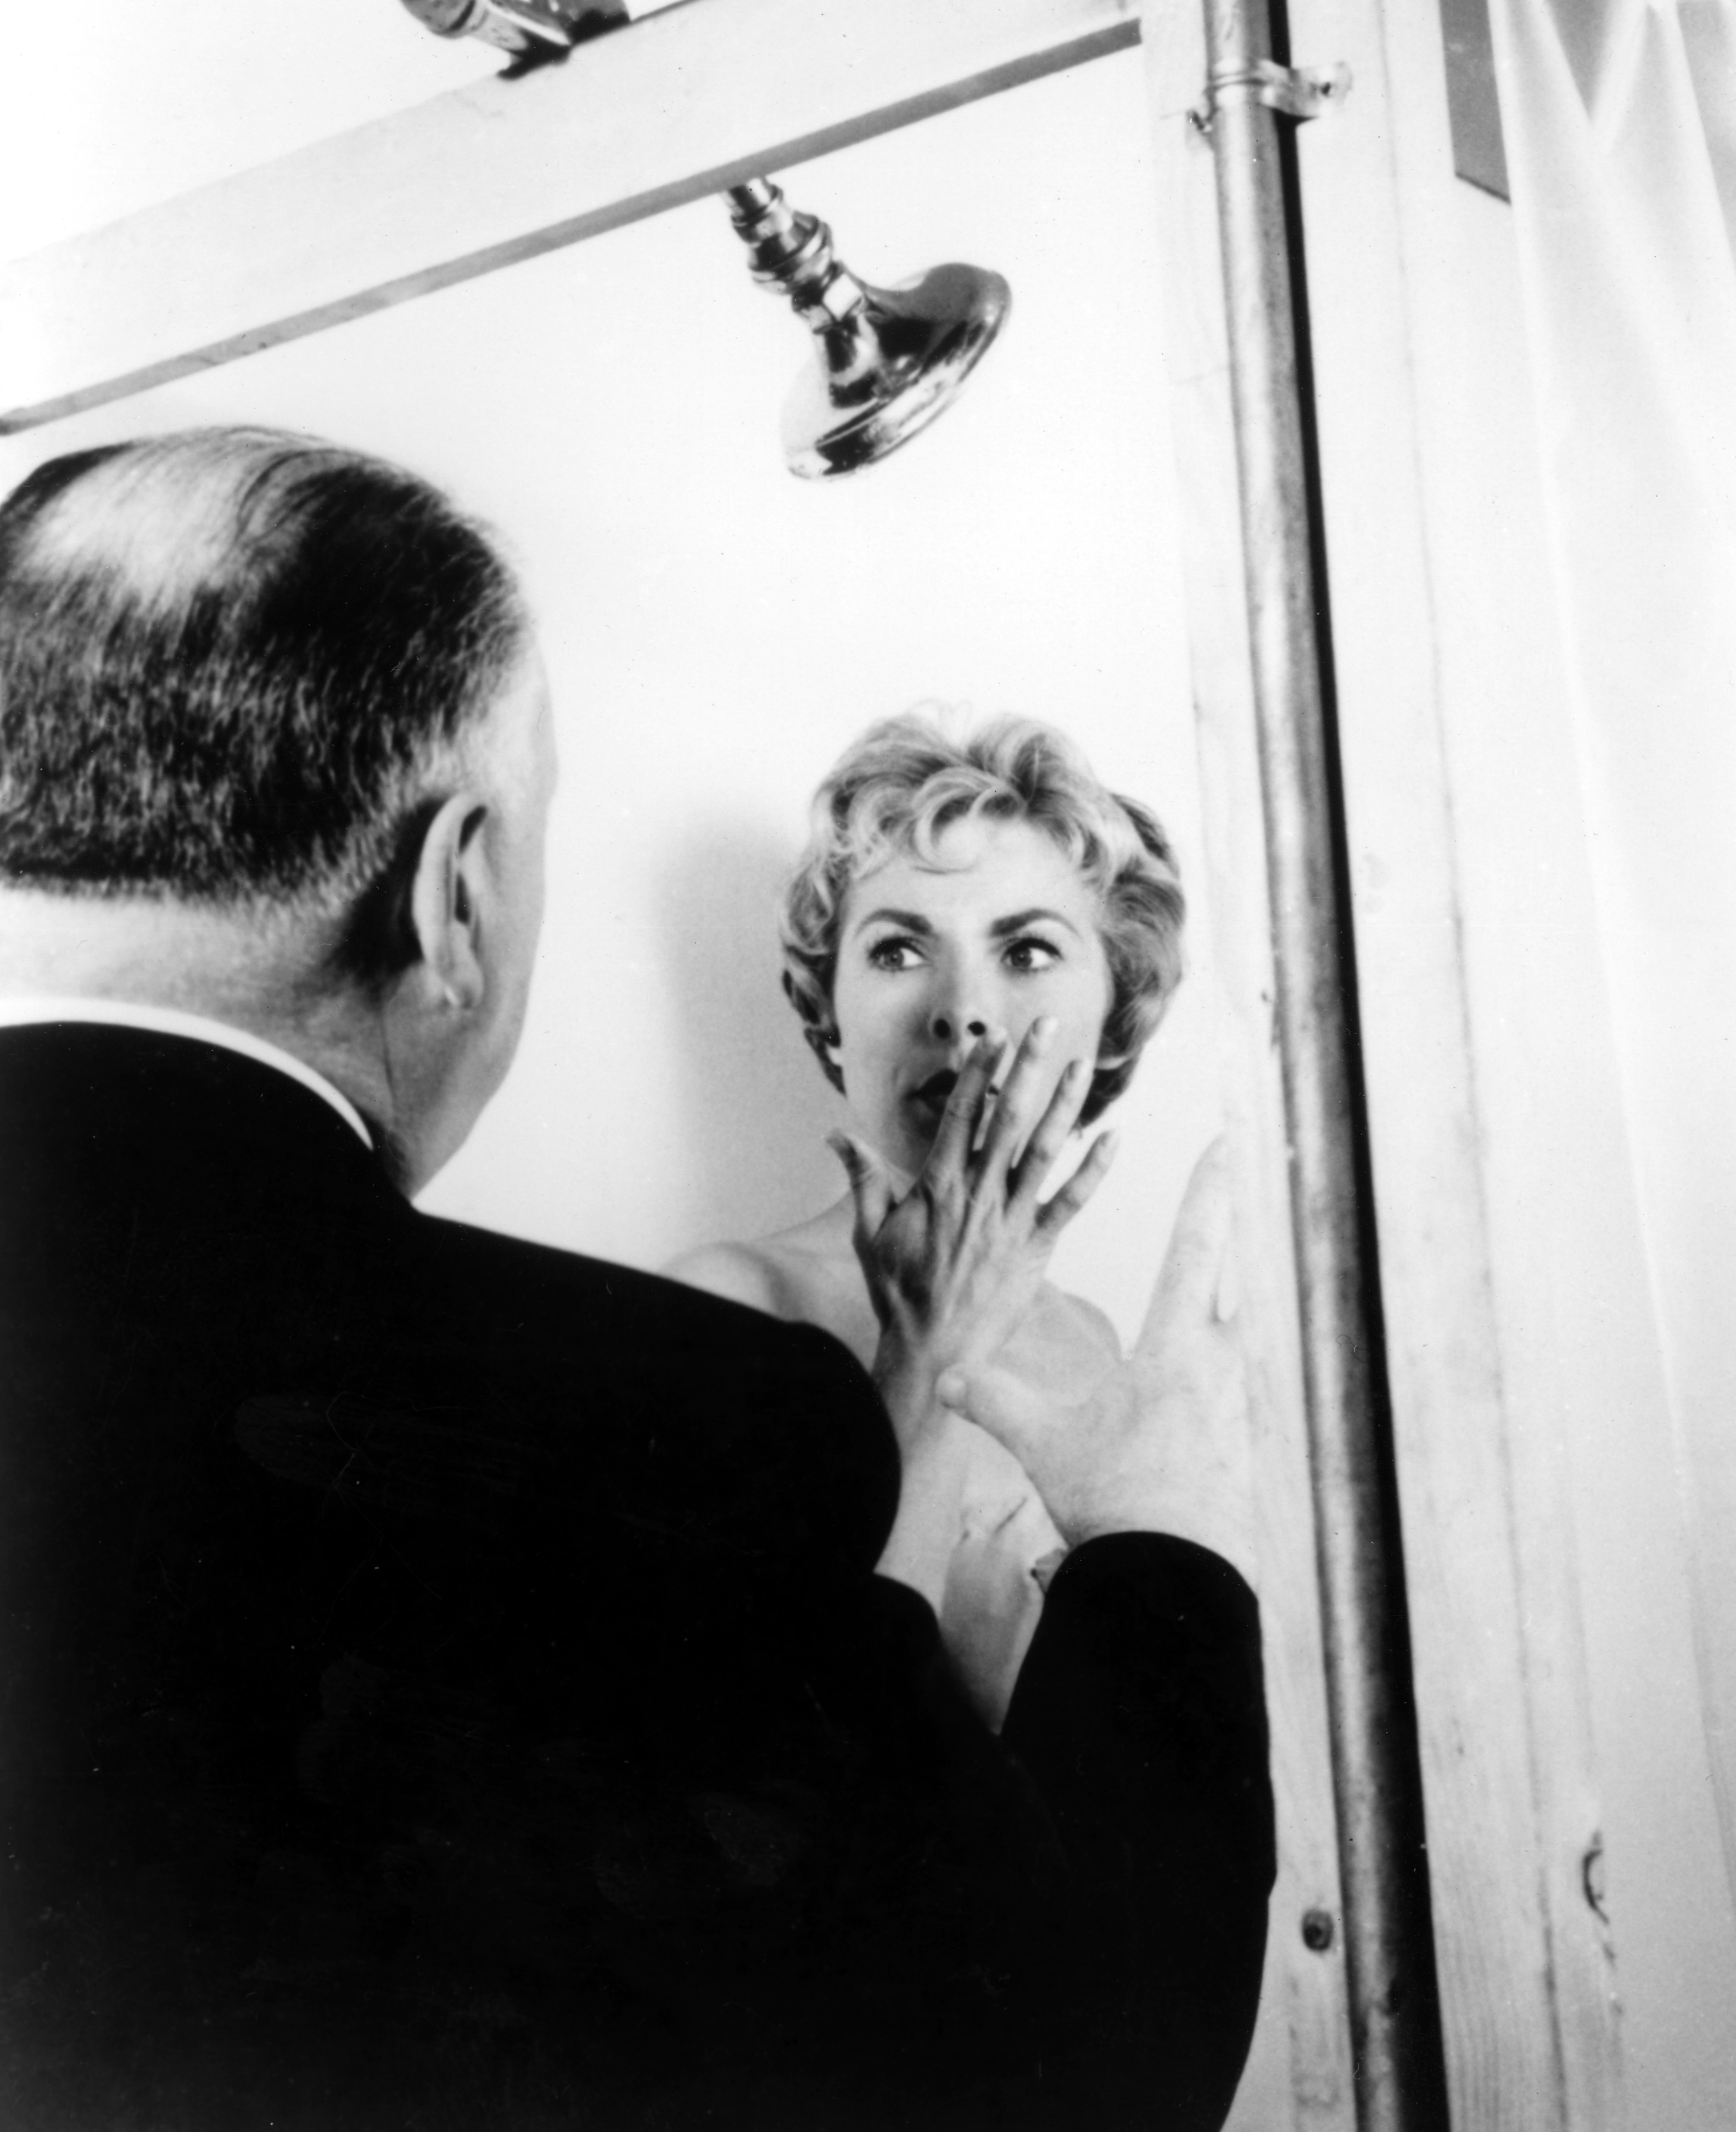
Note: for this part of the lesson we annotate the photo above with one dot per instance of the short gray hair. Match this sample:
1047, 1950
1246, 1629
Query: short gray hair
232, 664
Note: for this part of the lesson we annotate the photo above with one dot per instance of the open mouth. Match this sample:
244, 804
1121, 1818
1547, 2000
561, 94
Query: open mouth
929, 1096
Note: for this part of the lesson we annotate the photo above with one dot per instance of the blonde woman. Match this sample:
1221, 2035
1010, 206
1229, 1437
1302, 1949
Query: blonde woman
960, 887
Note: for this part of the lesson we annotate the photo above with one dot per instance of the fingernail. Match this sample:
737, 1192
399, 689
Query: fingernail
843, 1148
950, 1388
1043, 1028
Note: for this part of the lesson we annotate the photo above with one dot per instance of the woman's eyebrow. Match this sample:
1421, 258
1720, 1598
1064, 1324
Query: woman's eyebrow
1020, 920
911, 921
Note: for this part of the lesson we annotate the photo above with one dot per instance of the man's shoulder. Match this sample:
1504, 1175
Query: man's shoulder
707, 1401
231, 1190
525, 1288
191, 1243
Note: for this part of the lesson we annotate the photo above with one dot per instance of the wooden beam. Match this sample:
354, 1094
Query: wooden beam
679, 106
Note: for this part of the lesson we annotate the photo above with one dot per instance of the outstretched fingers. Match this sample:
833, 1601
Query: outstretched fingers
1075, 1194
1053, 1131
1196, 1263
871, 1186
1009, 1123
949, 1157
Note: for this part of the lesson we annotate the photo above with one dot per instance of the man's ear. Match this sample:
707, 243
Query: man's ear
447, 899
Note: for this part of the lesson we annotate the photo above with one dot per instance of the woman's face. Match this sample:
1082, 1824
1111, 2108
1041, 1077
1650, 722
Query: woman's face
1003, 929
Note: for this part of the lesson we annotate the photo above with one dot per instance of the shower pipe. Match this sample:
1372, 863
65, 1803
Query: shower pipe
1394, 2007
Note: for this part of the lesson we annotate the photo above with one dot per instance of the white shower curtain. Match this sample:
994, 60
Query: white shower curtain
1620, 125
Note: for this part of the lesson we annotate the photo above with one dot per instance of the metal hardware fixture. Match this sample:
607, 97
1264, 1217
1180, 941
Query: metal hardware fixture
888, 360
529, 30
1297, 92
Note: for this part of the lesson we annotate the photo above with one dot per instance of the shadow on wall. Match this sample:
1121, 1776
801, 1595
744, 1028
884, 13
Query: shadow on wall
755, 1106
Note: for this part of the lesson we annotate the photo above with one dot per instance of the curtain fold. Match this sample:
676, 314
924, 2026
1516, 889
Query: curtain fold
1620, 125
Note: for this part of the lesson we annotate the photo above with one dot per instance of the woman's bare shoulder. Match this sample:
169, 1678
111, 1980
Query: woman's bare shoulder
787, 1273
740, 1273
806, 1275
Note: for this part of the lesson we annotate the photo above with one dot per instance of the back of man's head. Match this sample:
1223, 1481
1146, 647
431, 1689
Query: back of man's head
235, 667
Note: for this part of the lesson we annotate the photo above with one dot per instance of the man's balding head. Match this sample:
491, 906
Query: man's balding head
233, 666
274, 748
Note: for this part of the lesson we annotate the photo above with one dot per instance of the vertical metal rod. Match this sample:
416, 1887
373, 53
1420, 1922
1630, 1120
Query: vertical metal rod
1389, 1951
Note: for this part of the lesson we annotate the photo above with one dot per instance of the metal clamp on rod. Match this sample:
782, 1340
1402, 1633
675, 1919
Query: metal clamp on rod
1297, 92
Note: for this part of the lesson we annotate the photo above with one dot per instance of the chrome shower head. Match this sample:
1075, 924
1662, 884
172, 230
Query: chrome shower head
888, 360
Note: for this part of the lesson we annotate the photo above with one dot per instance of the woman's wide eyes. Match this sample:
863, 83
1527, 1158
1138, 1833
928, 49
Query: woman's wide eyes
894, 953
1024, 957
1031, 953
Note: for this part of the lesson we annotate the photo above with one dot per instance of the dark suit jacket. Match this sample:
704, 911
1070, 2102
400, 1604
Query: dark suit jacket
446, 1687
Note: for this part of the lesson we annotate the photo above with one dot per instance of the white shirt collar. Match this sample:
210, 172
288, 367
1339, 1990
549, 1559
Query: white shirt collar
169, 1021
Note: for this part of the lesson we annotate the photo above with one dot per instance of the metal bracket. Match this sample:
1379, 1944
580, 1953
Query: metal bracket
529, 30
1298, 92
